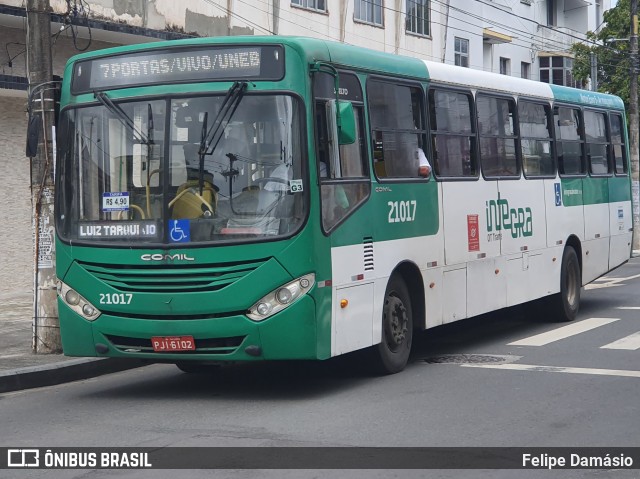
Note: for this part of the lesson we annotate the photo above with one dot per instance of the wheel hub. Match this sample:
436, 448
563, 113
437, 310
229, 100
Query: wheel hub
395, 322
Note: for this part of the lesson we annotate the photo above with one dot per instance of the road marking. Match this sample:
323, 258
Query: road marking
610, 282
556, 369
631, 343
563, 332
627, 307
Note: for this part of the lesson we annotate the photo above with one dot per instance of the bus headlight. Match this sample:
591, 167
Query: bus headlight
77, 303
281, 298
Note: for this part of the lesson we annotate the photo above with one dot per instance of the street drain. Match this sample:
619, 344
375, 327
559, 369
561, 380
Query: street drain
471, 359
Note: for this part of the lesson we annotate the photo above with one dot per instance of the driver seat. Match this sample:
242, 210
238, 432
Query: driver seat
189, 204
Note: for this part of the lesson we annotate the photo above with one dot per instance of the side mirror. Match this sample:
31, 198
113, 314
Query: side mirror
347, 122
33, 135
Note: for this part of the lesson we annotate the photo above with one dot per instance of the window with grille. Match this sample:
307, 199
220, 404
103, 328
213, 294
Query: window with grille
418, 16
558, 71
461, 50
319, 5
369, 11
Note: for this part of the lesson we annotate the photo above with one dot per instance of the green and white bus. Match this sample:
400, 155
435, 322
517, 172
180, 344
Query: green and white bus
269, 198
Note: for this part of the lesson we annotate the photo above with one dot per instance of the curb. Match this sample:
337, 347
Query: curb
63, 372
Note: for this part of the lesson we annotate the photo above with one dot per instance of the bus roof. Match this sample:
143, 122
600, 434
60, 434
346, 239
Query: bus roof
455, 75
311, 49
365, 59
586, 97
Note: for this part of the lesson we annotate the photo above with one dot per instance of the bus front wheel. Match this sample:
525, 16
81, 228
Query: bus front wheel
564, 306
392, 354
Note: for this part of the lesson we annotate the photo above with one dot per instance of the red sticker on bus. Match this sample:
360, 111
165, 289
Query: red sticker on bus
473, 234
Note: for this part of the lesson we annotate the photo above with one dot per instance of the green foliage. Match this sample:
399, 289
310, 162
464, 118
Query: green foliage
613, 56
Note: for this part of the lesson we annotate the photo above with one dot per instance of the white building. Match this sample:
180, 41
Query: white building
529, 38
525, 38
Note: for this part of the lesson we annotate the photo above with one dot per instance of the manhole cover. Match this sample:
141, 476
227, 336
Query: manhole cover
471, 359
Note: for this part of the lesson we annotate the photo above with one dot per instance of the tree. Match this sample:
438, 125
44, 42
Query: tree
613, 56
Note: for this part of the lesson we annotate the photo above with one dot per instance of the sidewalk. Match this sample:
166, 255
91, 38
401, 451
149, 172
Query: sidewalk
20, 368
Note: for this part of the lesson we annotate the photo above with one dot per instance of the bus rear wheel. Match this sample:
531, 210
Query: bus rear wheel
392, 354
564, 306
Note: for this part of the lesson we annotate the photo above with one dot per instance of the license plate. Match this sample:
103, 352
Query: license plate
173, 343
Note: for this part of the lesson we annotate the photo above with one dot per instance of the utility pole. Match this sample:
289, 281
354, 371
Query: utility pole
594, 71
46, 326
633, 124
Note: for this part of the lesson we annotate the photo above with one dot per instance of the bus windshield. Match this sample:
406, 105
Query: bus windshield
181, 170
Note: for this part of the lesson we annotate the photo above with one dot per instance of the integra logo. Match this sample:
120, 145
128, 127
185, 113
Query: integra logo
166, 257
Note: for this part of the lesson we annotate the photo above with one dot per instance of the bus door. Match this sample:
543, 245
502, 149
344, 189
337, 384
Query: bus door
564, 198
595, 193
345, 186
507, 212
471, 242
620, 219
522, 203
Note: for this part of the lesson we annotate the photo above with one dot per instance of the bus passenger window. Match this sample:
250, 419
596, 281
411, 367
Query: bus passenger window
595, 128
498, 154
617, 144
536, 139
398, 129
569, 140
452, 133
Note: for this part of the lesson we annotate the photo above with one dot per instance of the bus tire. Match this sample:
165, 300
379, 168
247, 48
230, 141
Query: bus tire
565, 305
392, 354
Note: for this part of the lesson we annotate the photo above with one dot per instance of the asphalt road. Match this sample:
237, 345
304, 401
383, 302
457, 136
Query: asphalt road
505, 379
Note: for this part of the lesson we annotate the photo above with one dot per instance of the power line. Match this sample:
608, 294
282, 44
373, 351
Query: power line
556, 44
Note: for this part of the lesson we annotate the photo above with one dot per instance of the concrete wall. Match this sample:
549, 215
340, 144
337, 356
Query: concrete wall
15, 215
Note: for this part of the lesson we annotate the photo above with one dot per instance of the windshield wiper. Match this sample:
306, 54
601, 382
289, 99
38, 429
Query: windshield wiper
124, 118
210, 139
227, 109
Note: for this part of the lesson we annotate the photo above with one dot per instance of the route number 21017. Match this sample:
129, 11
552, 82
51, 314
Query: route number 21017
402, 211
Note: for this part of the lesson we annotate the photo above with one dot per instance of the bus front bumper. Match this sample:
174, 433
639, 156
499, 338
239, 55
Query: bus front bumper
289, 334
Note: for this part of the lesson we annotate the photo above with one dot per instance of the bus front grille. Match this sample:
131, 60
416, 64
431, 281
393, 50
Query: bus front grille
168, 278
212, 346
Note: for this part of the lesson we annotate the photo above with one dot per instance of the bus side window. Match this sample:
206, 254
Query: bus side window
498, 154
595, 129
536, 139
617, 144
569, 140
452, 134
397, 129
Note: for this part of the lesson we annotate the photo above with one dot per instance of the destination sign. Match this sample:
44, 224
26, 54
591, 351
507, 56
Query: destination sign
118, 229
191, 64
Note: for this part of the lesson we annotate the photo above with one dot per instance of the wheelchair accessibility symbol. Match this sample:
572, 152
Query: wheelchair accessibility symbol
179, 231
558, 194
